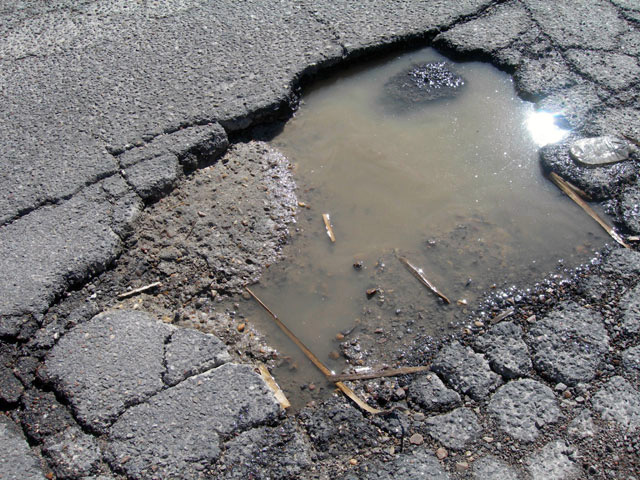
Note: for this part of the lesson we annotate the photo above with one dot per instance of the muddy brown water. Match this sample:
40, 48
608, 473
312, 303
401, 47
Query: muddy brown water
453, 185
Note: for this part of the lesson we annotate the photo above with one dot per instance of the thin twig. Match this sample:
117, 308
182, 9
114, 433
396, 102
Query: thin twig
135, 291
562, 185
327, 373
418, 273
388, 372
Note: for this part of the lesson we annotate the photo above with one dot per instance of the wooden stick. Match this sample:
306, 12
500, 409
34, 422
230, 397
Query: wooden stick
388, 372
579, 191
417, 272
135, 291
327, 373
271, 382
562, 185
327, 224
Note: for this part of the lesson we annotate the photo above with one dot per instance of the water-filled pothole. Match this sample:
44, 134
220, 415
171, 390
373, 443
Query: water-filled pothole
452, 184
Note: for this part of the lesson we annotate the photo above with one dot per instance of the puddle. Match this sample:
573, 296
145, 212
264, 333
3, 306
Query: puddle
454, 185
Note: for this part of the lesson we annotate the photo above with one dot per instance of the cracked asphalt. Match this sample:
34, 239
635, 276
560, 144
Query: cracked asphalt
109, 106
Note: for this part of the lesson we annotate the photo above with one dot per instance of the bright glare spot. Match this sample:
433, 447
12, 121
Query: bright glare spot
543, 129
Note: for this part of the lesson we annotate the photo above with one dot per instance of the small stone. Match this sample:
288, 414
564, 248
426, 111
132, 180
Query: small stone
442, 453
339, 337
311, 386
462, 466
566, 394
487, 439
600, 150
416, 439
478, 323
353, 461
241, 327
560, 387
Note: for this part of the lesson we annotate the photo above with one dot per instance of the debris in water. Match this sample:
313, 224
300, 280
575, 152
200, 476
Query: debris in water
327, 224
273, 385
562, 185
418, 273
498, 318
371, 292
135, 291
600, 150
309, 354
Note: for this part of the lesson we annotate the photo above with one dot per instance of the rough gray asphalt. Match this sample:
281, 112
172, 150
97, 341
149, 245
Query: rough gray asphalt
106, 105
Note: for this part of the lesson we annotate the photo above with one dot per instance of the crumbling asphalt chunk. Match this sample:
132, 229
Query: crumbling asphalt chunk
155, 177
73, 454
277, 453
582, 426
107, 364
431, 394
569, 344
17, 461
190, 352
466, 371
623, 262
455, 429
522, 407
338, 427
631, 363
176, 433
629, 206
492, 468
620, 402
507, 353
599, 183
193, 147
43, 416
630, 307
412, 465
10, 387
557, 459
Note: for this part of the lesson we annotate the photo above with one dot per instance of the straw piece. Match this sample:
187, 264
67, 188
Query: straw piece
135, 291
562, 185
327, 373
327, 224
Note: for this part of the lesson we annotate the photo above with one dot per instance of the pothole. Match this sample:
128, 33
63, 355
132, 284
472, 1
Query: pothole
453, 184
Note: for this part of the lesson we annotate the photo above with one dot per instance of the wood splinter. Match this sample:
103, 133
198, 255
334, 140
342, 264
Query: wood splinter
418, 273
136, 291
327, 224
273, 385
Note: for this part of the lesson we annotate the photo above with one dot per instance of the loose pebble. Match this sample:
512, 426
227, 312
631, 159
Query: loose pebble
442, 453
353, 461
462, 466
416, 439
241, 327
